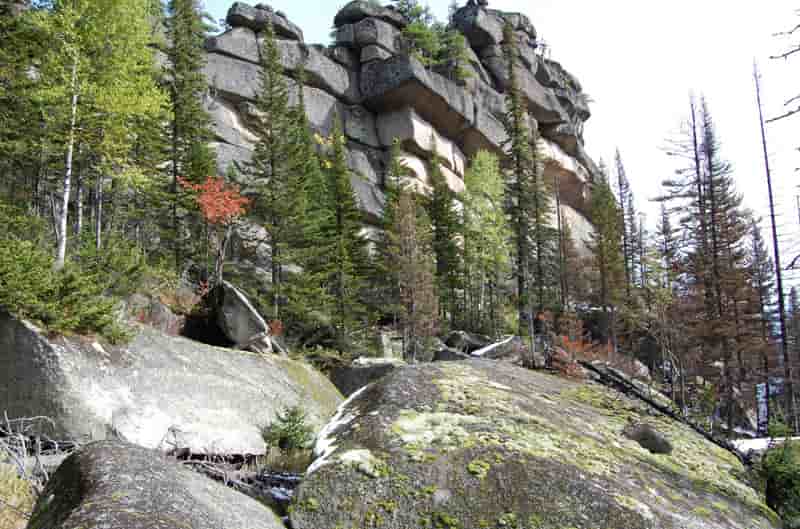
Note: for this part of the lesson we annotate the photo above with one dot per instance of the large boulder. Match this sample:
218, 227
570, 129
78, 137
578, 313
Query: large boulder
116, 485
320, 71
257, 18
480, 26
158, 391
358, 10
478, 443
403, 81
240, 320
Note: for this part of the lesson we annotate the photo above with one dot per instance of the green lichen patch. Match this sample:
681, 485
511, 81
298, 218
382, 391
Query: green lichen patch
485, 444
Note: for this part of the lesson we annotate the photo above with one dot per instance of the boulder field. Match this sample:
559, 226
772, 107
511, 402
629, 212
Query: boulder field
485, 444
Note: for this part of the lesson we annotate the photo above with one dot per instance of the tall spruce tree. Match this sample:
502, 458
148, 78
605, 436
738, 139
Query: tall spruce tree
606, 247
446, 226
412, 252
190, 129
528, 199
349, 262
624, 193
278, 167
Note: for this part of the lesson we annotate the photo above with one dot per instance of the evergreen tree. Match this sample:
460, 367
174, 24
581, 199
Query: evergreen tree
278, 167
626, 201
446, 227
528, 201
486, 245
386, 272
606, 247
413, 254
190, 128
349, 262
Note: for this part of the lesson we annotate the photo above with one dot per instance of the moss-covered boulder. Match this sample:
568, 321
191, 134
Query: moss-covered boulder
121, 486
482, 444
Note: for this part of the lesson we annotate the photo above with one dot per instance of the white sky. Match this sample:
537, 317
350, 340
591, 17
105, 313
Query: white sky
639, 60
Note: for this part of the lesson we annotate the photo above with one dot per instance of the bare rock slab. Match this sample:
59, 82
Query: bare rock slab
158, 391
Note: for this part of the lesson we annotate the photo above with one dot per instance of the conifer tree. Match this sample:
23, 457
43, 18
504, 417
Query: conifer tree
348, 264
606, 247
528, 200
415, 272
386, 272
190, 129
624, 192
278, 167
446, 227
486, 244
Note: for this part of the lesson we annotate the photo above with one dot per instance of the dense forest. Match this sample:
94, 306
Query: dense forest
109, 188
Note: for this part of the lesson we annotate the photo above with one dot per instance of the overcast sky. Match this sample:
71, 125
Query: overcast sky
639, 61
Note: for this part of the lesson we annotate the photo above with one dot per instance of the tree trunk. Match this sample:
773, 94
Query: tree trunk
98, 213
63, 214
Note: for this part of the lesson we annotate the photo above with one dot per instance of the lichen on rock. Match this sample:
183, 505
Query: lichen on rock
486, 444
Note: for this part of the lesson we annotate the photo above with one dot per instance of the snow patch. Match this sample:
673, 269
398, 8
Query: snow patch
325, 445
745, 446
492, 347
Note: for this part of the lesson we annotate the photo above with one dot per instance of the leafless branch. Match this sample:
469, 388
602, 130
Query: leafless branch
784, 115
786, 54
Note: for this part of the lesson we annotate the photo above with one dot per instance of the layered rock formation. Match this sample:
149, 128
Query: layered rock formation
380, 92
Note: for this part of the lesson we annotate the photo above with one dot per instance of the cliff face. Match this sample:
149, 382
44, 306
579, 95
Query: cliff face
381, 93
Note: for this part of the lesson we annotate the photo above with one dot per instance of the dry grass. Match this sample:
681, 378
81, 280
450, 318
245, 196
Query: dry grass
16, 499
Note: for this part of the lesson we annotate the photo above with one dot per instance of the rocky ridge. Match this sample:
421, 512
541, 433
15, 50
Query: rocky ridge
367, 79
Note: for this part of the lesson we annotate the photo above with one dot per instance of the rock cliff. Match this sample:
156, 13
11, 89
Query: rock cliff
380, 93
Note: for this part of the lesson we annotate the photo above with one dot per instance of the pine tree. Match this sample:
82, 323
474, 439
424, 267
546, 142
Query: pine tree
386, 273
446, 226
625, 200
278, 167
190, 129
762, 274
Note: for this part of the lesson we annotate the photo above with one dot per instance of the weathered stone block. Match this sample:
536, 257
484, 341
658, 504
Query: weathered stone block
231, 157
375, 31
373, 52
370, 198
359, 125
239, 42
228, 124
481, 27
233, 78
257, 18
359, 9
416, 134
402, 82
321, 72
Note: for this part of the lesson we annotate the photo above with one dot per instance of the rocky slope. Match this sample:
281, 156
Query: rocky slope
478, 443
366, 79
